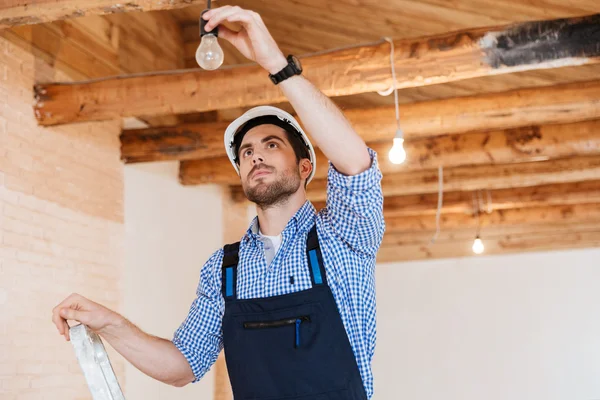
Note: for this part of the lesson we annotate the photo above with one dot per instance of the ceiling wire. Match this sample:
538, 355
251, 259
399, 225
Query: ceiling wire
476, 212
394, 87
391, 89
225, 67
440, 203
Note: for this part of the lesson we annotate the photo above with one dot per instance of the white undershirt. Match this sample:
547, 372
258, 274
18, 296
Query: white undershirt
272, 244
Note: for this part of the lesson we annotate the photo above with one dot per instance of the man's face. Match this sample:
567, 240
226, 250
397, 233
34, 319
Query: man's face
268, 168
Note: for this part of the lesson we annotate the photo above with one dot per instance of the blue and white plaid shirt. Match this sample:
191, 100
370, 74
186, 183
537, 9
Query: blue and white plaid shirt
350, 230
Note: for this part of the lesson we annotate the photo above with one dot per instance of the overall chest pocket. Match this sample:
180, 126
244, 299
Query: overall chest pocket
287, 353
295, 322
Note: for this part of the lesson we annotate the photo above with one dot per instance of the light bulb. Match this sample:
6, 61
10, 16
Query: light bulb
209, 54
397, 154
478, 246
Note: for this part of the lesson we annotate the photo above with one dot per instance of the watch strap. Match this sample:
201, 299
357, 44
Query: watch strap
287, 72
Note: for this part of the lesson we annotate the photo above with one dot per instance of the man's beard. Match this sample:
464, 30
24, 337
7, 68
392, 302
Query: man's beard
267, 195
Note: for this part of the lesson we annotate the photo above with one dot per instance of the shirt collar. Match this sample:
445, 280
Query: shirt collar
301, 221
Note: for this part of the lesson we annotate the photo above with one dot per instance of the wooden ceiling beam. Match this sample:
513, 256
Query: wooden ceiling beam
575, 213
480, 177
545, 241
96, 46
500, 199
422, 61
170, 143
425, 237
25, 12
496, 111
500, 147
472, 178
502, 231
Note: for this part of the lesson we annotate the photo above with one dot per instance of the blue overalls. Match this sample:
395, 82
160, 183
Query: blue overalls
292, 346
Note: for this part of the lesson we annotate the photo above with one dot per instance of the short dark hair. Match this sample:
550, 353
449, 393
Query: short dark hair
300, 148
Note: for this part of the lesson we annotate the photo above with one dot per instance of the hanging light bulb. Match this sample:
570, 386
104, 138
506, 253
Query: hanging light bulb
397, 153
209, 54
478, 245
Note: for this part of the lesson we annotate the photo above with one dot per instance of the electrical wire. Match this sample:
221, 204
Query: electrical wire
476, 211
439, 205
394, 88
394, 85
224, 67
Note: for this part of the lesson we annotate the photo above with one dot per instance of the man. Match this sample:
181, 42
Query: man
293, 303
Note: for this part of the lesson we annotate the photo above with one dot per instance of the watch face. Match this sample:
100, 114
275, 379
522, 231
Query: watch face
297, 63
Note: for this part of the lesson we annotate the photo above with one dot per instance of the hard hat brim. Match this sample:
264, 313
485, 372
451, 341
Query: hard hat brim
261, 111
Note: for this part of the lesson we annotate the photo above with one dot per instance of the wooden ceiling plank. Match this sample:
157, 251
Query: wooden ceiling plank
23, 12
472, 178
341, 24
500, 199
480, 177
577, 213
547, 241
478, 86
498, 111
189, 14
491, 8
50, 44
345, 26
513, 10
519, 145
140, 32
393, 239
431, 60
432, 17
85, 36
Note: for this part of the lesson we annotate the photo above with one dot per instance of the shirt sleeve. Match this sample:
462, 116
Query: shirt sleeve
200, 336
355, 207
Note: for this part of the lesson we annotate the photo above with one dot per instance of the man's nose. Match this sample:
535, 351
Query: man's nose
257, 158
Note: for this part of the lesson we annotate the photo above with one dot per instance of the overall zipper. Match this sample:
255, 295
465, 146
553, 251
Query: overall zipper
297, 321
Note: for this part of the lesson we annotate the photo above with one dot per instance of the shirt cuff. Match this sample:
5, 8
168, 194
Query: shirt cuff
195, 364
356, 183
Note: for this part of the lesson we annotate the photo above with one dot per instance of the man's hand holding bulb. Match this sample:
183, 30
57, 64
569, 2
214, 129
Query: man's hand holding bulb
254, 40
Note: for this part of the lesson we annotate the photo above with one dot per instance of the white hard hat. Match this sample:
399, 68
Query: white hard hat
284, 120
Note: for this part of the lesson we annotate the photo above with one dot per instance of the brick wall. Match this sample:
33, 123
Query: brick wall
61, 230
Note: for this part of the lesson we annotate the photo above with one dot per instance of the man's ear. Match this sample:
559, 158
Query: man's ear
305, 168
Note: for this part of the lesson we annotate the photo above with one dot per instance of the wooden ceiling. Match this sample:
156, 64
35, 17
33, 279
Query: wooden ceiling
308, 26
520, 149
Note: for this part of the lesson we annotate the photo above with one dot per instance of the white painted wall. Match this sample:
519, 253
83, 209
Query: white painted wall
171, 230
515, 327
518, 327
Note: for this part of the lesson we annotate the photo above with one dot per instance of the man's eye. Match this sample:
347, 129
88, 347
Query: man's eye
247, 153
272, 143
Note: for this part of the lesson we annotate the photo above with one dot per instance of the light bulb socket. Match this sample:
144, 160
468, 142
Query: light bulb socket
203, 22
399, 134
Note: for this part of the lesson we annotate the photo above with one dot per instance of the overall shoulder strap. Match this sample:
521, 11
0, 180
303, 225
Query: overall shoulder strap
315, 258
229, 270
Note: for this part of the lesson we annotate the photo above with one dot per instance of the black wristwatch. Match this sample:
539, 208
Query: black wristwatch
293, 68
